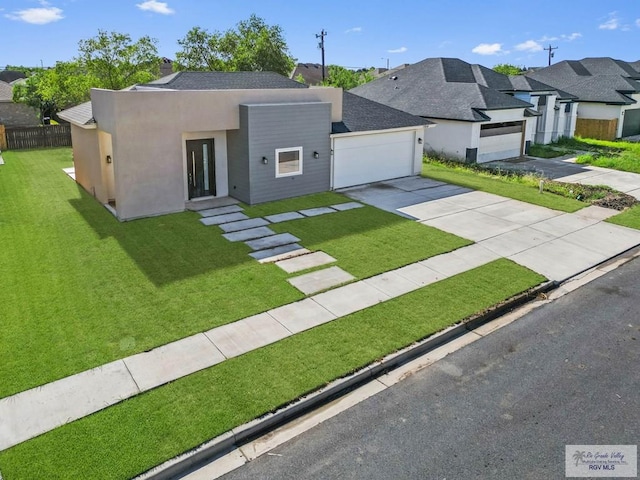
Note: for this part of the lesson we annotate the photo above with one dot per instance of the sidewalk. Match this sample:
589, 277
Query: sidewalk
555, 244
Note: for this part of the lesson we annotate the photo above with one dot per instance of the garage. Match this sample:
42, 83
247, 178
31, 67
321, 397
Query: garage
500, 140
631, 122
370, 158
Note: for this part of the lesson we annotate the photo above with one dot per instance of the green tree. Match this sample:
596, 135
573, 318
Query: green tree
509, 69
116, 62
251, 46
347, 79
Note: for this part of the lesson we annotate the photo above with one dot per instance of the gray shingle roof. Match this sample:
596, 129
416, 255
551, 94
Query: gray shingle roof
80, 114
602, 80
445, 88
224, 81
6, 92
360, 115
11, 75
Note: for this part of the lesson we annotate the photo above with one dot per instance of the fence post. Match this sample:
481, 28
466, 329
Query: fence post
3, 138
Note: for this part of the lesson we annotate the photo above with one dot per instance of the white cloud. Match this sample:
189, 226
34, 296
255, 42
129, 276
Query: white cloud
488, 49
398, 50
156, 7
529, 46
37, 16
354, 30
612, 22
548, 39
571, 37
638, 22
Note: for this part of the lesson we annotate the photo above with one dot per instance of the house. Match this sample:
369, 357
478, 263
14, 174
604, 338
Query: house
608, 92
14, 114
10, 76
481, 115
311, 73
254, 136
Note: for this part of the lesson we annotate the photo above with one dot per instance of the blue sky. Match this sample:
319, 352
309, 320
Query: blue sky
360, 33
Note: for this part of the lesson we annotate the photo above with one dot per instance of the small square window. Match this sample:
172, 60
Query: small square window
288, 161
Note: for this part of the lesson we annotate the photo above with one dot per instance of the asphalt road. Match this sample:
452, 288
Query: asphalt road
501, 408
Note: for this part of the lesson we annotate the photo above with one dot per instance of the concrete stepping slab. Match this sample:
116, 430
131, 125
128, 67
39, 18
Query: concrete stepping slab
243, 225
342, 301
472, 224
392, 284
419, 274
278, 253
2, 162
319, 280
597, 213
70, 172
286, 254
564, 224
248, 334
284, 217
303, 315
558, 259
516, 241
341, 207
272, 241
41, 409
172, 361
314, 212
211, 212
197, 205
303, 262
249, 234
225, 218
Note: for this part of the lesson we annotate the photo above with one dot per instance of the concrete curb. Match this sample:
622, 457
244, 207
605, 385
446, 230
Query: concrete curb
205, 453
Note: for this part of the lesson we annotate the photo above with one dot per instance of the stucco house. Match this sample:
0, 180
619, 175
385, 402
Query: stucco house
608, 93
481, 115
254, 136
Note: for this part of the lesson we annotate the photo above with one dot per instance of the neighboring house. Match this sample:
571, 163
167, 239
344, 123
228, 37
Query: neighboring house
10, 76
481, 115
254, 136
608, 92
166, 67
310, 72
15, 114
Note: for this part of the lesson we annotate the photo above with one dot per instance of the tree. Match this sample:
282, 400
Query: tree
509, 69
345, 78
251, 46
116, 62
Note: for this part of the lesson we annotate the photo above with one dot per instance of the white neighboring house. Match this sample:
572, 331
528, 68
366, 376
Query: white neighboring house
608, 92
481, 115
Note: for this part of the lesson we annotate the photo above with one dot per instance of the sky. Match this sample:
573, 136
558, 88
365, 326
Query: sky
371, 33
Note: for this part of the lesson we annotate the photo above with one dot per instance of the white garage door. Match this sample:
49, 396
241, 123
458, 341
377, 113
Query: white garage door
372, 158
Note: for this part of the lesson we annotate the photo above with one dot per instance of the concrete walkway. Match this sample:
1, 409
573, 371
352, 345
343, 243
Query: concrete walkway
553, 243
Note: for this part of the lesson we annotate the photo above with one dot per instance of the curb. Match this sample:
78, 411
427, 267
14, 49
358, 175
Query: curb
209, 451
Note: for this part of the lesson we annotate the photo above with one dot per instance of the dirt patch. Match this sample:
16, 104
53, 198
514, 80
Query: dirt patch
616, 201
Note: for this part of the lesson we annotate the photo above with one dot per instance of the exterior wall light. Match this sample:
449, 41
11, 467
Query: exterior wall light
265, 160
108, 159
316, 155
419, 141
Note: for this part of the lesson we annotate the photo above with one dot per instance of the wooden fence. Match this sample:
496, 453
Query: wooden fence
37, 137
600, 129
3, 140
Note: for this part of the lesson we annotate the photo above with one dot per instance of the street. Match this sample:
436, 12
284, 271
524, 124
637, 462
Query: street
503, 407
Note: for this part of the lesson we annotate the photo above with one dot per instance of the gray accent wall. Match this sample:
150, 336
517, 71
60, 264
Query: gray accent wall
267, 127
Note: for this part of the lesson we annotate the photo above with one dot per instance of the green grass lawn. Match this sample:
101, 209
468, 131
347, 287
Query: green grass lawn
518, 187
629, 218
80, 289
617, 155
129, 438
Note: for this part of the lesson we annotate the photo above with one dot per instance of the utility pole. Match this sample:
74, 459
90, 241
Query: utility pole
321, 36
550, 49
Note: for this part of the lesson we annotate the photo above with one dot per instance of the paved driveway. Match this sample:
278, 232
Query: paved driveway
556, 244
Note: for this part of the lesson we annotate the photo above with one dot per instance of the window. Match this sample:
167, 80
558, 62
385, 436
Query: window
288, 161
503, 128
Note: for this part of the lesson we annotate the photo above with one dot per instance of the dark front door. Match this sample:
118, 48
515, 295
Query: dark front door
201, 175
631, 123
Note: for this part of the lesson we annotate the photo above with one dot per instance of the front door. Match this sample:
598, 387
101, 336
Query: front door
201, 175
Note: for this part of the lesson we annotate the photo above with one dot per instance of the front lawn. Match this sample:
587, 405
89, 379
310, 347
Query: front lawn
137, 434
519, 187
617, 155
80, 289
